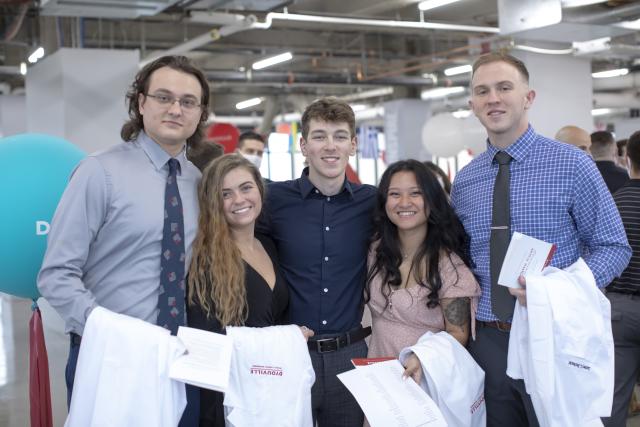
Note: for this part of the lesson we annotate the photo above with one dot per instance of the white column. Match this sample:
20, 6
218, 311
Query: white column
79, 95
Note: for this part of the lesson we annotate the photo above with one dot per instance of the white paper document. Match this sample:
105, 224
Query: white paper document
525, 255
207, 361
390, 401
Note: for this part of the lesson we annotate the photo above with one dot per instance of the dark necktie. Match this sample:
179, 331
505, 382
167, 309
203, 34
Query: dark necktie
502, 302
171, 309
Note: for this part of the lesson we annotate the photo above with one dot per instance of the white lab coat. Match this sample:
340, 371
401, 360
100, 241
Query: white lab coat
270, 379
561, 345
451, 378
122, 375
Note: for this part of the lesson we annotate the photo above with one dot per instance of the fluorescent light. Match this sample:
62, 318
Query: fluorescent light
454, 71
37, 54
248, 103
601, 111
610, 73
632, 25
23, 68
287, 56
432, 4
441, 92
373, 93
577, 3
358, 107
461, 114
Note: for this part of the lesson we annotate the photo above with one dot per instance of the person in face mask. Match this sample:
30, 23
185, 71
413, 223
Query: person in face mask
251, 146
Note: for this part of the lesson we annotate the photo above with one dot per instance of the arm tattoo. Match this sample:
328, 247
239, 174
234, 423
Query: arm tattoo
457, 312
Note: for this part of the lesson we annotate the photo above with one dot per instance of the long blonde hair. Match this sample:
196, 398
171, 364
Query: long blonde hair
216, 274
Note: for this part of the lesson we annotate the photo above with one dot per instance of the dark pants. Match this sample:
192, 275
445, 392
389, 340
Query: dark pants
190, 415
332, 404
625, 324
508, 403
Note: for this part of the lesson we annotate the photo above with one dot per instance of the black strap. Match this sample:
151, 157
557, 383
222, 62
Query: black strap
327, 345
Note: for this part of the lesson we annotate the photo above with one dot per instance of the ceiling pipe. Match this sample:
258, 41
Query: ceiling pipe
358, 22
628, 99
603, 17
250, 22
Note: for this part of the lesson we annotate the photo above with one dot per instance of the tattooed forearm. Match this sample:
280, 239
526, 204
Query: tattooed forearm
457, 311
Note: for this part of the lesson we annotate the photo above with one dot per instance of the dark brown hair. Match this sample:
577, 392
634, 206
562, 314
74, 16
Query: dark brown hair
501, 57
140, 85
329, 109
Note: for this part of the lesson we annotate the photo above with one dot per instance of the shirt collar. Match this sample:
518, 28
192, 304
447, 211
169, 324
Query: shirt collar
519, 149
306, 186
156, 153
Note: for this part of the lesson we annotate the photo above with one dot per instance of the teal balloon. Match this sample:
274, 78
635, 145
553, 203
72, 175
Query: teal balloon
34, 171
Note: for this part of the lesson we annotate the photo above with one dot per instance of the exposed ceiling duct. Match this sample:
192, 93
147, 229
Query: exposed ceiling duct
119, 9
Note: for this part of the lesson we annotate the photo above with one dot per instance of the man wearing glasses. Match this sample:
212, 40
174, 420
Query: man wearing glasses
112, 244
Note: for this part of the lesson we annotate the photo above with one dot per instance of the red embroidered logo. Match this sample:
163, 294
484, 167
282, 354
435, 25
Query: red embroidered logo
266, 370
477, 403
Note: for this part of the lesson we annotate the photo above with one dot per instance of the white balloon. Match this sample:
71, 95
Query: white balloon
444, 135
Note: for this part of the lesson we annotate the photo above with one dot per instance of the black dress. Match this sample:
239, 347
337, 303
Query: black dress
266, 307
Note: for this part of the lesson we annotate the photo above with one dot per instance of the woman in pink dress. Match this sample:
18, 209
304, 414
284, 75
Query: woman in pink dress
418, 274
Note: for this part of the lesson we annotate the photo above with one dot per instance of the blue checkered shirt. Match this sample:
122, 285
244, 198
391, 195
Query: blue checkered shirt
556, 195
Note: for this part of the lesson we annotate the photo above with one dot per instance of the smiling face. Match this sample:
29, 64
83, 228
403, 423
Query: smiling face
242, 201
405, 206
170, 125
327, 148
500, 98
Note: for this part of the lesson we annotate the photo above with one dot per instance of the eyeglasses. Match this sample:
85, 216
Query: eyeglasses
188, 104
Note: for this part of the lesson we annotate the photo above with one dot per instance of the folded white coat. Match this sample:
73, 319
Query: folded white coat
451, 378
122, 375
562, 347
270, 379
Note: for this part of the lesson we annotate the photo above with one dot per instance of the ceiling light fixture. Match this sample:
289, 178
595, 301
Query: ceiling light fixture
454, 71
432, 4
373, 93
461, 114
441, 92
601, 111
268, 62
248, 103
610, 73
35, 55
23, 68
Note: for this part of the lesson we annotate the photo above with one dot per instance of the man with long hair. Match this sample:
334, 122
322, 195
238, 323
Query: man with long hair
321, 224
110, 230
528, 183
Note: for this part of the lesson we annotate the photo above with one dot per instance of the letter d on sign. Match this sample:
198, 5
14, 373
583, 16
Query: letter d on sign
42, 228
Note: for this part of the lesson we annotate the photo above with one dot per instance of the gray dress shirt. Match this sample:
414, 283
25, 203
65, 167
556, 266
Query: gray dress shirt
106, 235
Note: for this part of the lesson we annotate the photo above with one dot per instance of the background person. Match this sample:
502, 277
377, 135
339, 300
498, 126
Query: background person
204, 152
575, 136
251, 145
234, 279
604, 151
624, 294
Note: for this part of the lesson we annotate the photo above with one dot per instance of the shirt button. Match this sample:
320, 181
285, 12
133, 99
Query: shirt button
328, 199
317, 191
326, 228
326, 258
326, 290
324, 322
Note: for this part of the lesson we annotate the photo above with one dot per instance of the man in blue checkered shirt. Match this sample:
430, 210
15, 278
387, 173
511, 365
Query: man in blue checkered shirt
556, 194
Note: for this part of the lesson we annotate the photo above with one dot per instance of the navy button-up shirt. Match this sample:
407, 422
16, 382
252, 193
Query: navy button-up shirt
322, 248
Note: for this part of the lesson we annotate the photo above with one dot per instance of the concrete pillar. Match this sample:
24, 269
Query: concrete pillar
78, 95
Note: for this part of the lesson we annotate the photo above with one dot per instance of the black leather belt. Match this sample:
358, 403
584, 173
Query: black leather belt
75, 338
327, 345
496, 324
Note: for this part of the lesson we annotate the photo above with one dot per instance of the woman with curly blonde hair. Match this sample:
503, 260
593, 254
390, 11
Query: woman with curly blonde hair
233, 278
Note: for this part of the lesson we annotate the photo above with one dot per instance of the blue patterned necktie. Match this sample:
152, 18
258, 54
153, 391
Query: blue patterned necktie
171, 311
